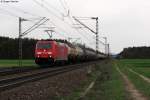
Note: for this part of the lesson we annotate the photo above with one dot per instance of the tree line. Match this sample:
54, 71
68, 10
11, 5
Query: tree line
135, 53
9, 48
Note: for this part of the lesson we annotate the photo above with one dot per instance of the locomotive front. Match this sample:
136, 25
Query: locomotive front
44, 53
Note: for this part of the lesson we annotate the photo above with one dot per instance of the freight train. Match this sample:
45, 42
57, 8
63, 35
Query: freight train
52, 52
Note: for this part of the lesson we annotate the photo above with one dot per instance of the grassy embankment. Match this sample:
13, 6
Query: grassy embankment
140, 66
108, 85
14, 63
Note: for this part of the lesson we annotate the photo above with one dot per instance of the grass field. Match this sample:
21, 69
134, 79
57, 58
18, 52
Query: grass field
108, 85
108, 89
141, 66
14, 63
111, 88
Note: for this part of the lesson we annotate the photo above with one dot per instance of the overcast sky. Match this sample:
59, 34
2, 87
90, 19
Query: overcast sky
125, 22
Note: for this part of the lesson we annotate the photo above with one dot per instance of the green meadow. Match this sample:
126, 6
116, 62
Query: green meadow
15, 63
141, 66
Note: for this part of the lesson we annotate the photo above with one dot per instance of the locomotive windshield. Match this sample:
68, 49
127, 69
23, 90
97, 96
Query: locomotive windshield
44, 46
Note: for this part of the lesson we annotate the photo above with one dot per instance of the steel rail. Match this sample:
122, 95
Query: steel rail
15, 70
10, 83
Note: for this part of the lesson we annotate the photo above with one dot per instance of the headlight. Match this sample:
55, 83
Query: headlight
39, 53
49, 53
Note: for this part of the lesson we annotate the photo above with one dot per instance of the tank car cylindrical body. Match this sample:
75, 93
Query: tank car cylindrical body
72, 53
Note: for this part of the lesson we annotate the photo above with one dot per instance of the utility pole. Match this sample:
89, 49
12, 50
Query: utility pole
106, 45
20, 40
21, 34
108, 50
20, 43
97, 31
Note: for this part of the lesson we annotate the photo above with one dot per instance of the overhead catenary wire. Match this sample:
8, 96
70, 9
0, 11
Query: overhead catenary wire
85, 32
64, 7
70, 18
24, 12
56, 31
100, 42
54, 15
36, 25
59, 28
9, 13
57, 10
29, 19
33, 26
47, 9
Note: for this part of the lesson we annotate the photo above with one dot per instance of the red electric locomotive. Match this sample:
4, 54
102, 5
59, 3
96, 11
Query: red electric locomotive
49, 52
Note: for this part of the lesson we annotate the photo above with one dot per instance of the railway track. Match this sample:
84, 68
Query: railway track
11, 82
15, 70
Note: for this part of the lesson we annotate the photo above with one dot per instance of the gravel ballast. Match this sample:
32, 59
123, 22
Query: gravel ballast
49, 88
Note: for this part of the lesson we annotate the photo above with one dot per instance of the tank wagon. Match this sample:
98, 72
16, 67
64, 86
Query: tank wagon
52, 51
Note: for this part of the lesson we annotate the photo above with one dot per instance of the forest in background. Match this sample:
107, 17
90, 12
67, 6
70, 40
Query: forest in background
135, 53
9, 48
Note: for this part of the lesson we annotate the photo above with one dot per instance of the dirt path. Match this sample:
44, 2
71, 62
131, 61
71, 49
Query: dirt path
86, 91
143, 77
130, 88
